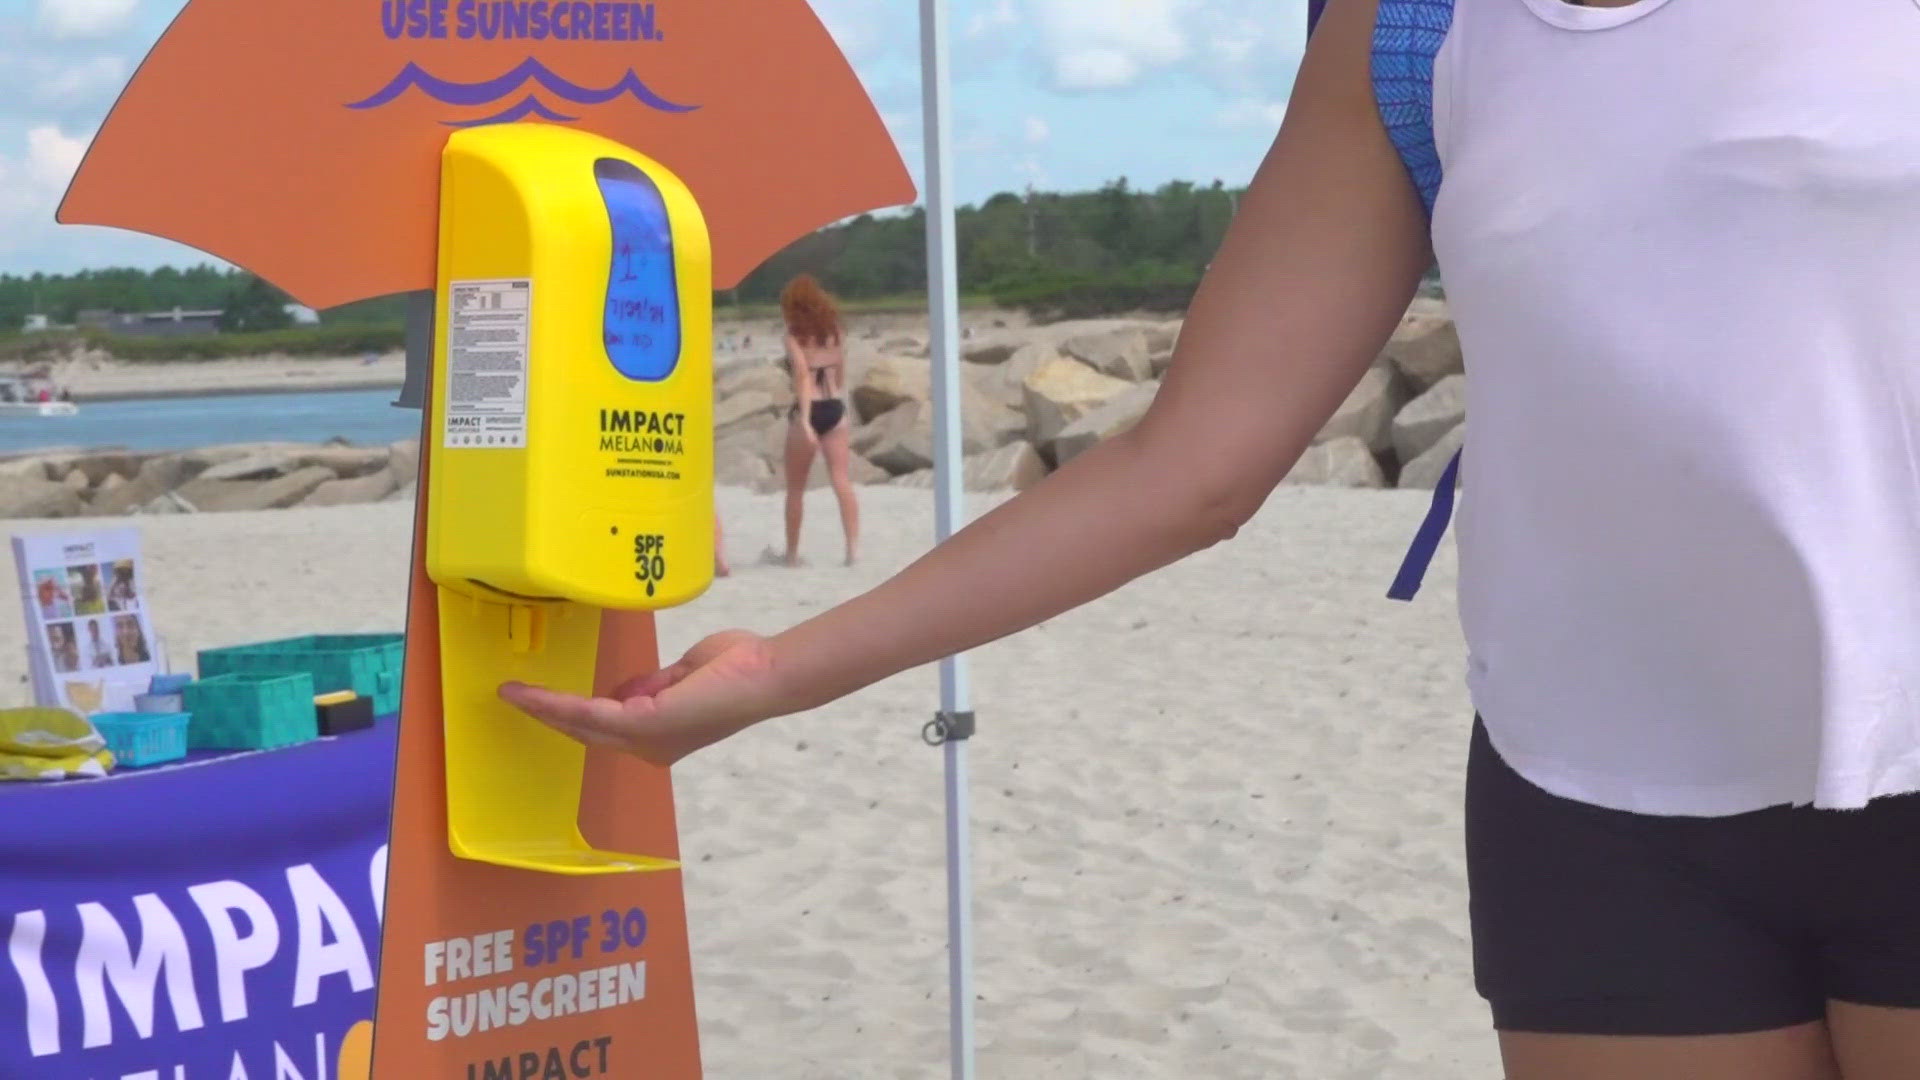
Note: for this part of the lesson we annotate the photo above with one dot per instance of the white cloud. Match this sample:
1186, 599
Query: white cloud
1244, 45
1254, 113
992, 19
973, 140
1037, 131
86, 18
863, 28
82, 83
1100, 45
1250, 46
1096, 69
32, 185
44, 88
52, 157
35, 166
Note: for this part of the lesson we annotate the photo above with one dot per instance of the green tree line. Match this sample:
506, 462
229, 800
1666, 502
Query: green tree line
249, 302
1077, 253
1071, 253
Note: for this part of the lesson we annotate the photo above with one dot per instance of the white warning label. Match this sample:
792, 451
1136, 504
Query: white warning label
488, 330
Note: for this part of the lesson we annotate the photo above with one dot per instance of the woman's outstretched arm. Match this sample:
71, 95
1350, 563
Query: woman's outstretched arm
1309, 283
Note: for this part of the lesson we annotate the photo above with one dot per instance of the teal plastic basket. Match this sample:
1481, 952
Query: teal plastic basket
140, 739
237, 712
367, 664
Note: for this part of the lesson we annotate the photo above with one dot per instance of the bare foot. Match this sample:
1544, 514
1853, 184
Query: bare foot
770, 557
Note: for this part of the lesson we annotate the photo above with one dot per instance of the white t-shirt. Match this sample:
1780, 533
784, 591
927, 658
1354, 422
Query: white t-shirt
1681, 241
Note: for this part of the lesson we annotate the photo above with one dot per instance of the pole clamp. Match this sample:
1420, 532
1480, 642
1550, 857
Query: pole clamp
946, 727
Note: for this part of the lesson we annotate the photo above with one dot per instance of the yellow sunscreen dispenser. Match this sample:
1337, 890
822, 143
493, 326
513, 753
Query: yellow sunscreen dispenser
570, 455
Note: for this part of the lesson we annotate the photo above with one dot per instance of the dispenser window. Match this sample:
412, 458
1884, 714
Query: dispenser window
642, 323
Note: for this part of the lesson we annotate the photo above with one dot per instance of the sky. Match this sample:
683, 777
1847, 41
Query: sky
1059, 94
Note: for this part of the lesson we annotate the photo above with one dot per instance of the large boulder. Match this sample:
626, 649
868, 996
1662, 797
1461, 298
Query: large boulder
1342, 462
266, 465
12, 456
1426, 418
764, 434
351, 491
995, 347
403, 461
31, 497
25, 468
1026, 360
156, 477
889, 382
97, 466
166, 503
736, 465
212, 495
900, 441
1113, 417
1122, 353
988, 424
767, 377
201, 459
1013, 467
1368, 412
1424, 471
1425, 351
1061, 391
993, 384
346, 462
1161, 337
745, 407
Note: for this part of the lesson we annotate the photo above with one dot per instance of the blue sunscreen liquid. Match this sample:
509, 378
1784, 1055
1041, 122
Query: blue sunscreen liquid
642, 322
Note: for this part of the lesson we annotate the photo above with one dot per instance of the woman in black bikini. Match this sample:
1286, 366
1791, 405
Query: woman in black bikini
816, 357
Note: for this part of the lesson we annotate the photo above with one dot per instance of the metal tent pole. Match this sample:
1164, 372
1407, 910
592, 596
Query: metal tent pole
953, 725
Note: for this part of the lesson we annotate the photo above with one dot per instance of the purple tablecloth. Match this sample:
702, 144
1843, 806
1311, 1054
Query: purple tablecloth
168, 922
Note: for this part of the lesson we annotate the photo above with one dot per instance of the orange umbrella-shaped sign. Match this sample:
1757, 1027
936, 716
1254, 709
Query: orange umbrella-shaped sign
302, 140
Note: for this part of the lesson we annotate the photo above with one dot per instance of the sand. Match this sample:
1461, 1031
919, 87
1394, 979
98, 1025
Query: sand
1216, 815
97, 378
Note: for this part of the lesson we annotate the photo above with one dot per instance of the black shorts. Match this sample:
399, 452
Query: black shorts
1589, 921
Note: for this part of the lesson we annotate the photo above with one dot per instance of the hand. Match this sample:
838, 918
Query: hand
721, 686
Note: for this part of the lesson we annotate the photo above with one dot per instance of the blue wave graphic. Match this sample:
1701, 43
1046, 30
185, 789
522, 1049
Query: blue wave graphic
529, 106
489, 91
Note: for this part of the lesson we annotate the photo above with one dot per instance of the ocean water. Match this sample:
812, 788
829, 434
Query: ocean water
359, 416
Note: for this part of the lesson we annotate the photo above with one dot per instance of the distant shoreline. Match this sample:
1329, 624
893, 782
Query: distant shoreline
231, 390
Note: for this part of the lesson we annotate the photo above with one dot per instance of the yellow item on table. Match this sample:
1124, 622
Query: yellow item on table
41, 743
338, 697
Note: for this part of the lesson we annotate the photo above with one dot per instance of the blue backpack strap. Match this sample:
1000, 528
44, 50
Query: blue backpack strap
1427, 540
1407, 35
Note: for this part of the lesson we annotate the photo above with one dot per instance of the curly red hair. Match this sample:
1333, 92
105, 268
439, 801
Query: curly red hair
811, 314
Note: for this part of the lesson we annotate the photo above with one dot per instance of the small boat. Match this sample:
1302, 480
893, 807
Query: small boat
38, 408
32, 395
